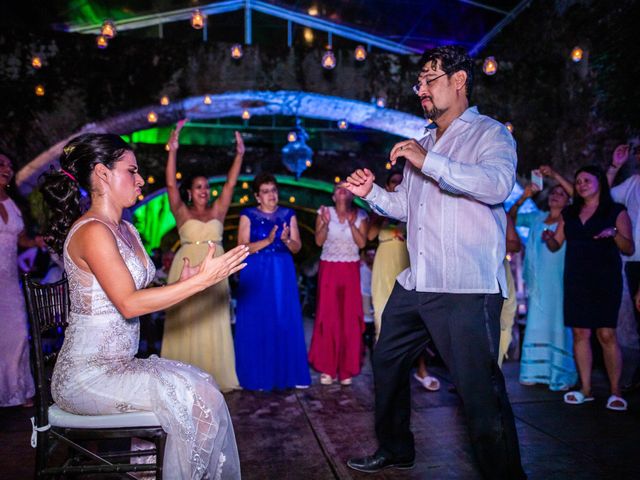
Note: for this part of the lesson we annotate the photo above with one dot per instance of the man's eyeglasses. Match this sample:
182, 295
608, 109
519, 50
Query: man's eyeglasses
416, 88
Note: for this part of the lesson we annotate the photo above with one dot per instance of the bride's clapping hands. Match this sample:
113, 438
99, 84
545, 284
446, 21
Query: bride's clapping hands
213, 270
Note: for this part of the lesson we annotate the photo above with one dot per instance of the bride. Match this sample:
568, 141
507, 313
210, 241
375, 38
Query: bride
96, 372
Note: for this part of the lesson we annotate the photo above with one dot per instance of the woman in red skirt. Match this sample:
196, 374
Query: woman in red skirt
336, 346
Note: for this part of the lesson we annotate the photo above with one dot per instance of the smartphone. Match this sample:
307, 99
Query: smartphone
536, 179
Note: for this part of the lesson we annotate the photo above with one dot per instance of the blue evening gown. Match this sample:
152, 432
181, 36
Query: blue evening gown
269, 341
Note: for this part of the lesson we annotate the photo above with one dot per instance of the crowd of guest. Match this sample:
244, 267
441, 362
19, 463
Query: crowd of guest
573, 273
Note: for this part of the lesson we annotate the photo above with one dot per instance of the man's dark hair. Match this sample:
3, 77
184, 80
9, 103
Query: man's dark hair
453, 58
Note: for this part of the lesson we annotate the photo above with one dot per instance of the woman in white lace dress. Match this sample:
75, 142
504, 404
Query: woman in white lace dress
16, 382
108, 268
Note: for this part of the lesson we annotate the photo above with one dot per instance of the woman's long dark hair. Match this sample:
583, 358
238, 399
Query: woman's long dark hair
605, 202
61, 189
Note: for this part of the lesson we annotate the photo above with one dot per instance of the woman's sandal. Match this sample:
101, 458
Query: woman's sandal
576, 398
429, 383
622, 403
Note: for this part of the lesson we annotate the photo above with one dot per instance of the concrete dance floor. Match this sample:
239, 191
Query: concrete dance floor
309, 434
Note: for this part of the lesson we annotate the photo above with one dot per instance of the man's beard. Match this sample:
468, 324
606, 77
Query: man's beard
434, 113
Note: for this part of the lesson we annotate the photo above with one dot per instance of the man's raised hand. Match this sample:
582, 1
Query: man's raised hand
360, 182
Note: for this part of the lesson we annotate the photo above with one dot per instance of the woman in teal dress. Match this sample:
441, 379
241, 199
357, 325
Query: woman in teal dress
547, 350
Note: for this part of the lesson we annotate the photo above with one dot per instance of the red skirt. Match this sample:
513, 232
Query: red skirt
336, 345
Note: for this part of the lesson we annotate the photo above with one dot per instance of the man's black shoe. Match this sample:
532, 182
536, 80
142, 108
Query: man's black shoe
378, 462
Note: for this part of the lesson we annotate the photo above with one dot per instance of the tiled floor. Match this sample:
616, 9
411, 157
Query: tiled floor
309, 434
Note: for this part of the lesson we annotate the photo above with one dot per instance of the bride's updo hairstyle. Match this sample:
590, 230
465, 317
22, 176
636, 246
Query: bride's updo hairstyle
62, 189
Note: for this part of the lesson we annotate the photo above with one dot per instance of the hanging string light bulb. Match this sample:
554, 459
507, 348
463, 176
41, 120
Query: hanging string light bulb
292, 136
207, 100
360, 53
164, 101
246, 115
576, 54
197, 19
151, 179
308, 163
329, 60
490, 66
236, 51
509, 126
292, 199
381, 102
342, 124
102, 42
337, 179
36, 62
108, 29
39, 90
152, 117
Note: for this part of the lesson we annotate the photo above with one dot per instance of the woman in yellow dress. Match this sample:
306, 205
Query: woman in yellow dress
197, 331
392, 258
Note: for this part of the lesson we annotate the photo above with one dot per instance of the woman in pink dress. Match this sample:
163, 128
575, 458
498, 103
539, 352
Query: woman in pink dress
16, 382
336, 345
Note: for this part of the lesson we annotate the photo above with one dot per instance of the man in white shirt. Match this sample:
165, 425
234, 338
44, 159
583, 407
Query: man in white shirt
455, 180
628, 193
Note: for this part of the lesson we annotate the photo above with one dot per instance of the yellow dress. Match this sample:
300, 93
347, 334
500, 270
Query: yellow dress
391, 258
197, 331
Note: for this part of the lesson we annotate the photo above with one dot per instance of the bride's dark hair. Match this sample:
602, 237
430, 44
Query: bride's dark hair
62, 188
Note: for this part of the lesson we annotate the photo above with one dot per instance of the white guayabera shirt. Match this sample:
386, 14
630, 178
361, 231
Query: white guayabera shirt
456, 222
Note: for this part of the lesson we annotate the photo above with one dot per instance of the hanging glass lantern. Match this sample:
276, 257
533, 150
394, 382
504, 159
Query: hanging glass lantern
360, 53
197, 19
164, 101
329, 60
297, 155
576, 54
39, 90
108, 29
236, 51
490, 66
36, 62
152, 117
102, 42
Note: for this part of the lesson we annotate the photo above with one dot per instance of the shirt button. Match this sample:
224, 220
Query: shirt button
420, 253
420, 228
422, 204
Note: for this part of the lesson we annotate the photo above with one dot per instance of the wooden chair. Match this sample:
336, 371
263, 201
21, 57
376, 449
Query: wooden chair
48, 309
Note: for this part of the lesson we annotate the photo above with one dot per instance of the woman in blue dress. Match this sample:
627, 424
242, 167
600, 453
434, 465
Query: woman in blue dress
269, 343
547, 349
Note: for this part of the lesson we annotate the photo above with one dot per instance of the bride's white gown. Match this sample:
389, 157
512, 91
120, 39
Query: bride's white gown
97, 373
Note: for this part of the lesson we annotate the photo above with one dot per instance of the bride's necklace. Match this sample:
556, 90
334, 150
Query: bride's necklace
124, 237
121, 234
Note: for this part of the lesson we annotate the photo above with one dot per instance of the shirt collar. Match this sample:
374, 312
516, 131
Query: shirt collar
468, 116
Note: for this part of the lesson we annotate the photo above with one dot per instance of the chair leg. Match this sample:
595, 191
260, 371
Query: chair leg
41, 452
160, 444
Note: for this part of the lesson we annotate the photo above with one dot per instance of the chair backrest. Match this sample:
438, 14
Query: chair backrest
48, 310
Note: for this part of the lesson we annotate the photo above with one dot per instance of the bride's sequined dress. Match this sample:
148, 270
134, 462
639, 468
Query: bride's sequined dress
97, 373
